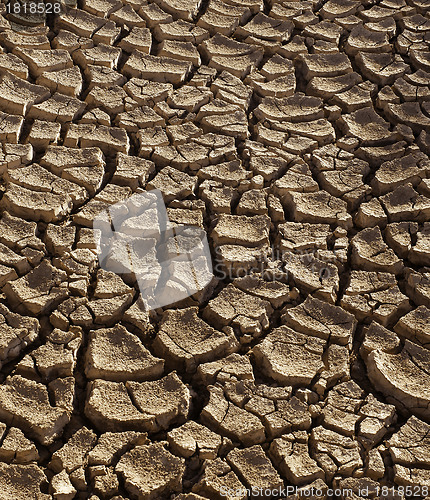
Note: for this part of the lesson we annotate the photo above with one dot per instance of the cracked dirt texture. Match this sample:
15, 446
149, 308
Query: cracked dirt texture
297, 135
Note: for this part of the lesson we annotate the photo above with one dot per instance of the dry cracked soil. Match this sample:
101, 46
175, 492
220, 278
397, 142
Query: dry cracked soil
297, 135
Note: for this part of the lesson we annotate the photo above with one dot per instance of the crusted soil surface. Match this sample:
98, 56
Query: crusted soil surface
297, 135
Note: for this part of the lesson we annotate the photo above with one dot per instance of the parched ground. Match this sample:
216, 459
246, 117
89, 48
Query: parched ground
297, 135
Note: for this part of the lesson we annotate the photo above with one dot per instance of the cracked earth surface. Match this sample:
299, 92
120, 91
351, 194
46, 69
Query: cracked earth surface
297, 135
